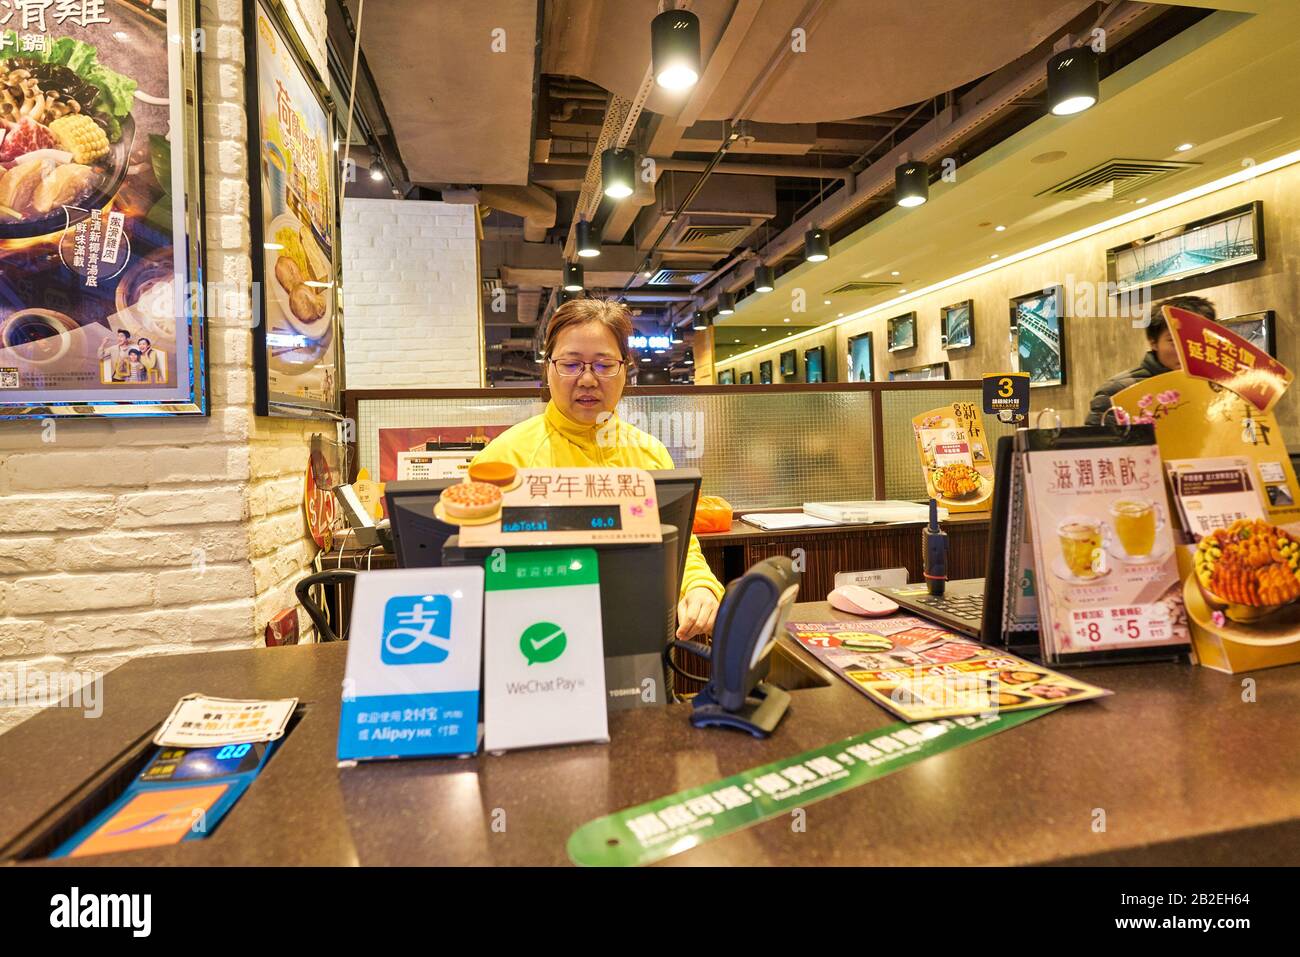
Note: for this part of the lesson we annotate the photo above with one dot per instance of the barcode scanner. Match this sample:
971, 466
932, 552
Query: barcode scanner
753, 610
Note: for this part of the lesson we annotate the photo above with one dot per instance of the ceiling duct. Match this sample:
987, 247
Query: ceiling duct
1116, 178
533, 203
724, 213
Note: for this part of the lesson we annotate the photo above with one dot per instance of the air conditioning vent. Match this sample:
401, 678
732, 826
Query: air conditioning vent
1116, 178
861, 285
677, 277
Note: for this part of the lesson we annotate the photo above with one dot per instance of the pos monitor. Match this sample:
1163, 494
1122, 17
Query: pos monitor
639, 584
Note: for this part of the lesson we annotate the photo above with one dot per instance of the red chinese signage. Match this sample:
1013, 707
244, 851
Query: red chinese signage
1210, 351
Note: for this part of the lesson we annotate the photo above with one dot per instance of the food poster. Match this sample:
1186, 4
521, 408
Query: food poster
955, 457
95, 260
414, 443
299, 340
1237, 593
919, 671
1103, 546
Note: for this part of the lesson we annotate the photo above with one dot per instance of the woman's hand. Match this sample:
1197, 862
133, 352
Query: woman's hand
695, 613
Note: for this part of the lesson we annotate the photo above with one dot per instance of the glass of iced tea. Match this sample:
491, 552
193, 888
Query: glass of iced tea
1136, 523
1080, 540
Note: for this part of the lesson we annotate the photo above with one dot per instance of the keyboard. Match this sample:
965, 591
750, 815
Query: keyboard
965, 607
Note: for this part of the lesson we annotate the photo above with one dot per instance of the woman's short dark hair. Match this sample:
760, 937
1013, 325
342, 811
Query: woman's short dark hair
1196, 304
578, 312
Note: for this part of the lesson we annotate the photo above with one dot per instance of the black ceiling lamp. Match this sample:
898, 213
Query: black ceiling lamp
573, 277
764, 279
911, 183
699, 321
816, 245
588, 240
677, 335
689, 359
726, 304
675, 49
617, 169
1072, 83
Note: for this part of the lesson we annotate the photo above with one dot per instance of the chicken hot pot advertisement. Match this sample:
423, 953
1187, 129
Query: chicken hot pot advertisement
98, 250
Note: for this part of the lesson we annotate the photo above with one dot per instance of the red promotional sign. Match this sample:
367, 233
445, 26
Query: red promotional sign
1212, 352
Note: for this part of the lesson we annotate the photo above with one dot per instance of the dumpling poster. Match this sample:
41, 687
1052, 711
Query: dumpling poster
99, 268
297, 353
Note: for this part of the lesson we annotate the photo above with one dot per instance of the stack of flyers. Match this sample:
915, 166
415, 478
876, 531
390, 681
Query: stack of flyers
1212, 494
198, 721
920, 671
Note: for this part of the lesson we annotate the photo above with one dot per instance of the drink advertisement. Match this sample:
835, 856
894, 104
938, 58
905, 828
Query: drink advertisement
1235, 489
99, 255
955, 457
298, 342
1103, 547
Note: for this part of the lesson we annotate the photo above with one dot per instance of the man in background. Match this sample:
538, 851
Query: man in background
1161, 358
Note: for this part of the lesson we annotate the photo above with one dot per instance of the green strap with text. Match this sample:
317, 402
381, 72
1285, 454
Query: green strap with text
667, 826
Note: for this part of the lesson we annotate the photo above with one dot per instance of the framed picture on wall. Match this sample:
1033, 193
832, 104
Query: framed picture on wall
861, 358
902, 332
747, 378
934, 370
297, 344
957, 325
1204, 245
727, 377
765, 372
789, 372
1256, 327
102, 300
814, 364
1038, 330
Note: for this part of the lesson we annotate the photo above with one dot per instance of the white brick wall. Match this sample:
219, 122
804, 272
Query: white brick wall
410, 295
120, 539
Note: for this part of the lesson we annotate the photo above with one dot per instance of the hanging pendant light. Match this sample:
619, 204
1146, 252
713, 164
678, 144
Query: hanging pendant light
726, 304
675, 49
816, 245
573, 277
617, 169
911, 183
588, 241
1072, 83
699, 321
689, 358
764, 279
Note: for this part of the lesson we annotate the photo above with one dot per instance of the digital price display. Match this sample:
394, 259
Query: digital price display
560, 518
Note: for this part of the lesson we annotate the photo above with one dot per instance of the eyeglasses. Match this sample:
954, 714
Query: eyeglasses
601, 368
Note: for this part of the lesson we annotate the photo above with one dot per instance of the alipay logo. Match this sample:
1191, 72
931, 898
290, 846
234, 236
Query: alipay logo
417, 629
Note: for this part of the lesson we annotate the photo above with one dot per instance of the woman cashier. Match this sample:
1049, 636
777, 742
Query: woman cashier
586, 361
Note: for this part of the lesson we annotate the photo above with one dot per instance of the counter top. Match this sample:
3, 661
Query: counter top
741, 530
1185, 770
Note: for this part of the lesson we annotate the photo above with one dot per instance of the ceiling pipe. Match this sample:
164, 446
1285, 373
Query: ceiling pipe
535, 204
756, 169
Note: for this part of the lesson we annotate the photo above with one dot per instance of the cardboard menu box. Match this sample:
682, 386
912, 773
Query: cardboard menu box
1214, 426
955, 459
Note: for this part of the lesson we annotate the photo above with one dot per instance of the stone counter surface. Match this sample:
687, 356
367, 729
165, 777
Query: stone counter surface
1185, 771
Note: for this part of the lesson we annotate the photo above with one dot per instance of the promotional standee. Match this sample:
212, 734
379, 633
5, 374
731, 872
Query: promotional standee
1236, 517
955, 457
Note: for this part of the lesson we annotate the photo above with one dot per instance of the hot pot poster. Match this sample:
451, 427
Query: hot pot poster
92, 248
298, 339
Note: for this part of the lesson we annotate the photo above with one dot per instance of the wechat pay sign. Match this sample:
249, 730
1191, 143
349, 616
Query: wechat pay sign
544, 671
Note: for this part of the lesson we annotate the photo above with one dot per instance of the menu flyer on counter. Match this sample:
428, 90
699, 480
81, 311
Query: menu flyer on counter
919, 671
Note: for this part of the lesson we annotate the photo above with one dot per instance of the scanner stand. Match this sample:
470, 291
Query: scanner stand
762, 711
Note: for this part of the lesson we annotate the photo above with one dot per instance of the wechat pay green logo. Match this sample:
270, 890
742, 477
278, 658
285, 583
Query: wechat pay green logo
542, 642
